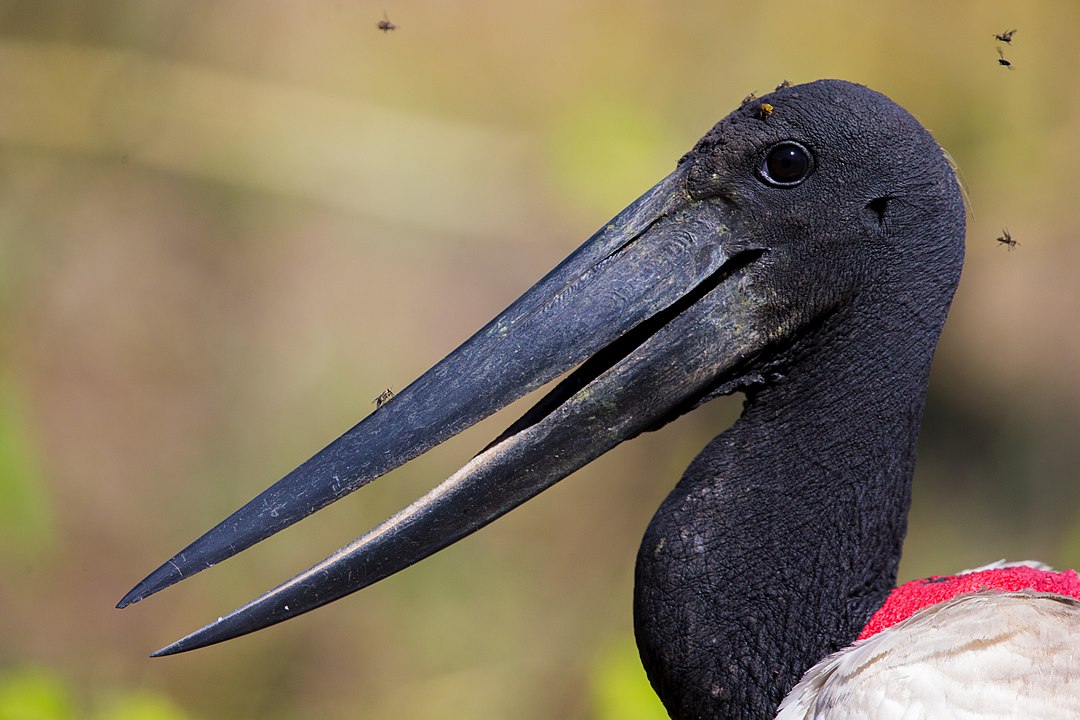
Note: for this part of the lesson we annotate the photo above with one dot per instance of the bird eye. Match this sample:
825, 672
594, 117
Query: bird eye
786, 165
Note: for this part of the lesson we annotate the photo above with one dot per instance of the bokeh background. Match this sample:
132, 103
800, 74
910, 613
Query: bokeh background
227, 225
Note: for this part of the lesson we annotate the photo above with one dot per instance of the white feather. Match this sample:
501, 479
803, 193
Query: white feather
982, 656
1003, 563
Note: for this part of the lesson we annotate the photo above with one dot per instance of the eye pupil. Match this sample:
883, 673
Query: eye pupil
786, 164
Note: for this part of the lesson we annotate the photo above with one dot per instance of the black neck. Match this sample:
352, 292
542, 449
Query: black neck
784, 534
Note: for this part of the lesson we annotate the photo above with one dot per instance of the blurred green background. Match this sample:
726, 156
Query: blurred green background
227, 225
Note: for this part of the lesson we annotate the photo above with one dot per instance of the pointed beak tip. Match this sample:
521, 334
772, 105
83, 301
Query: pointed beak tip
163, 577
193, 641
133, 596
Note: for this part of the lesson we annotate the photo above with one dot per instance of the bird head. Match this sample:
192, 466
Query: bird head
773, 223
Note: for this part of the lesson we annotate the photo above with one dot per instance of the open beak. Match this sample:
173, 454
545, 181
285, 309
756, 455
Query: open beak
656, 311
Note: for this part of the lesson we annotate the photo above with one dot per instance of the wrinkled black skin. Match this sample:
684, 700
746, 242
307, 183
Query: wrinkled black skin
784, 535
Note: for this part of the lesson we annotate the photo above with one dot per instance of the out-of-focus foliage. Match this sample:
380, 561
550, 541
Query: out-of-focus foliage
38, 694
620, 689
227, 225
25, 520
34, 694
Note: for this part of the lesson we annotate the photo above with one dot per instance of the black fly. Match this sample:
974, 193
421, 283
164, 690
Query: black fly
384, 397
1002, 61
385, 25
1005, 37
1007, 240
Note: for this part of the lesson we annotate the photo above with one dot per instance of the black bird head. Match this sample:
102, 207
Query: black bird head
718, 279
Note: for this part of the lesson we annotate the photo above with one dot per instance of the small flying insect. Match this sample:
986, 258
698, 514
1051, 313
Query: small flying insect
384, 397
764, 111
748, 99
1007, 240
385, 25
784, 84
1005, 37
1003, 62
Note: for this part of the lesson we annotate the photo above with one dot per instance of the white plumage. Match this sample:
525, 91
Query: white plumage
982, 656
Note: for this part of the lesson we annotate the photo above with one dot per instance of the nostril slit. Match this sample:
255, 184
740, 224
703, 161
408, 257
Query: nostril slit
879, 206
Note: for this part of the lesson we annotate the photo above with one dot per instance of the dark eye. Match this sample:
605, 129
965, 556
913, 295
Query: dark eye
786, 165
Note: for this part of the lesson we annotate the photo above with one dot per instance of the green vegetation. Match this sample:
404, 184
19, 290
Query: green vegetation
38, 694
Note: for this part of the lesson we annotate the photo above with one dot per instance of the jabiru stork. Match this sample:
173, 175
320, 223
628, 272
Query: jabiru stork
806, 257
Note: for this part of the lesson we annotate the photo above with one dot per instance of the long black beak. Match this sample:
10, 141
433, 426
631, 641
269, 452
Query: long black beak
657, 309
